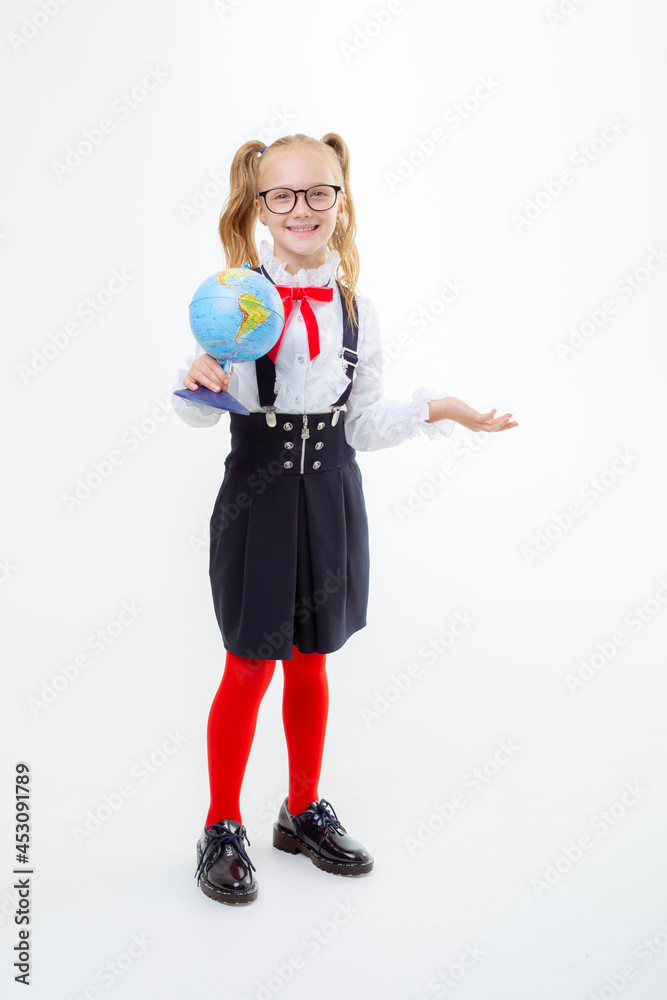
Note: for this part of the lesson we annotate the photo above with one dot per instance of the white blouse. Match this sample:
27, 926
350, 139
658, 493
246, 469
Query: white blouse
303, 386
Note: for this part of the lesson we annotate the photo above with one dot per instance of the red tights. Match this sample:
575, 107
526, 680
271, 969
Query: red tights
233, 718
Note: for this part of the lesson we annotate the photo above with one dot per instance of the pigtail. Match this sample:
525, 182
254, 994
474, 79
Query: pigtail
344, 235
238, 218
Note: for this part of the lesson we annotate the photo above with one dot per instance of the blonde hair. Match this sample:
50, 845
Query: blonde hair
239, 215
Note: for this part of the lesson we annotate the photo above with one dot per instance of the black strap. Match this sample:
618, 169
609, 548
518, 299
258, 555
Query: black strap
266, 369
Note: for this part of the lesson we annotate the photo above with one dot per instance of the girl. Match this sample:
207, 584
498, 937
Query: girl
289, 563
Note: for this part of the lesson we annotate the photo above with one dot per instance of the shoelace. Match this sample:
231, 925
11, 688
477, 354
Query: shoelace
218, 836
325, 814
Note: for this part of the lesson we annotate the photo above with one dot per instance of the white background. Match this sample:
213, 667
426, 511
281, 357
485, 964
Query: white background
492, 541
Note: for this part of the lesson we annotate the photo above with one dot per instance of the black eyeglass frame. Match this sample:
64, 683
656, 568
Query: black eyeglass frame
304, 192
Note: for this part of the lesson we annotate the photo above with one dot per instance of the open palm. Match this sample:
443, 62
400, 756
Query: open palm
465, 415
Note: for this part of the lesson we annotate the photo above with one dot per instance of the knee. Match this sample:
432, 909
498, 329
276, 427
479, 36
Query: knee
247, 669
309, 664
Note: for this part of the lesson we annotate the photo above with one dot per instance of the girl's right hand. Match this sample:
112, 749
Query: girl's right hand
207, 372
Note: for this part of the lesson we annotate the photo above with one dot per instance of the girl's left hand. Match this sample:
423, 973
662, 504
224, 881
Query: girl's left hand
451, 408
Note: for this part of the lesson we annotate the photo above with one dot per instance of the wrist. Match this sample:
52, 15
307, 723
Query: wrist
439, 409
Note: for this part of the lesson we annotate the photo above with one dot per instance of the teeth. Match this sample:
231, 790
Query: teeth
302, 229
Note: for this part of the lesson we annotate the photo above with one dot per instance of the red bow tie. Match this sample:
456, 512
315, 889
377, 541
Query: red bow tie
290, 292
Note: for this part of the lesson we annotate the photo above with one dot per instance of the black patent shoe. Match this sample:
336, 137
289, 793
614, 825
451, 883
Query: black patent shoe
318, 833
224, 870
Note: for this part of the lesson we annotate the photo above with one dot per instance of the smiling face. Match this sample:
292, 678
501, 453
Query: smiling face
301, 237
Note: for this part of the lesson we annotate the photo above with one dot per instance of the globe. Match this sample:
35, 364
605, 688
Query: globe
235, 315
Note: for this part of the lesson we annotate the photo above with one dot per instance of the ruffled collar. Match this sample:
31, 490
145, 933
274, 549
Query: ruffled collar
276, 268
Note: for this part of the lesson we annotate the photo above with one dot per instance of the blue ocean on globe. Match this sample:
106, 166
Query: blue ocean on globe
236, 315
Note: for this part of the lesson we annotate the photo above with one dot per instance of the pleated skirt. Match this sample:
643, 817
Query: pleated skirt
289, 554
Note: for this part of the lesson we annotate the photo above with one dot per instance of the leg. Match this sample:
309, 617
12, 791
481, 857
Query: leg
305, 710
315, 832
231, 728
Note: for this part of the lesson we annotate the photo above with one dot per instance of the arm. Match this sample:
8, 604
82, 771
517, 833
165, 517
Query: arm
194, 414
371, 420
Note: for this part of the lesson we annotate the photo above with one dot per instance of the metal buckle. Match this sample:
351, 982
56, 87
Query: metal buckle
270, 415
350, 350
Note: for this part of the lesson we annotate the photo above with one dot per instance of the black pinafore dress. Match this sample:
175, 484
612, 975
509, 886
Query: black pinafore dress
289, 554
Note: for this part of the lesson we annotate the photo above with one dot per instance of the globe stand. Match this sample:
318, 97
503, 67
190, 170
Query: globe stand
221, 400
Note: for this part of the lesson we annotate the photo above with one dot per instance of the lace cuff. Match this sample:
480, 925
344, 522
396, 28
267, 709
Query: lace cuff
417, 413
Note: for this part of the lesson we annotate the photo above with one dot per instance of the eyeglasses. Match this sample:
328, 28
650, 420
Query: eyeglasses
319, 197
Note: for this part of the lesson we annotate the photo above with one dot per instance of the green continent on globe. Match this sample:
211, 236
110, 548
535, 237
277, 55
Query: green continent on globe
254, 313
